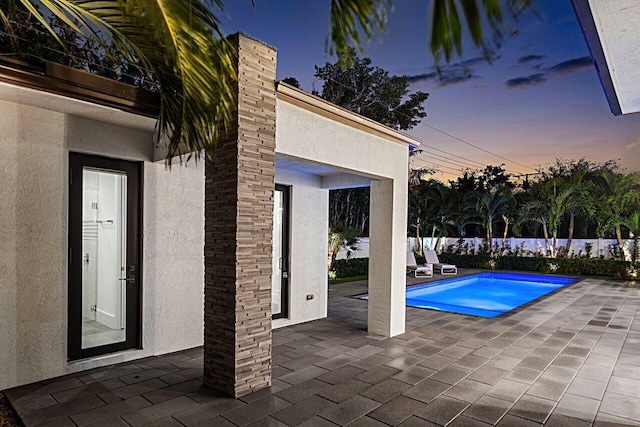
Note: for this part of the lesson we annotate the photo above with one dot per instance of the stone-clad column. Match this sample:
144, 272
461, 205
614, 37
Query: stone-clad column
238, 233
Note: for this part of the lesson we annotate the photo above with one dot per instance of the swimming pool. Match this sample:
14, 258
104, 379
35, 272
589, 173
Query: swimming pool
487, 294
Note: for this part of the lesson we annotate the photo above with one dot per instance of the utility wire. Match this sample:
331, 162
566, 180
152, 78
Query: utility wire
444, 133
474, 146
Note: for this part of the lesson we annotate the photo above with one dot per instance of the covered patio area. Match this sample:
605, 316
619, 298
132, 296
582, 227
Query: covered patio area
570, 359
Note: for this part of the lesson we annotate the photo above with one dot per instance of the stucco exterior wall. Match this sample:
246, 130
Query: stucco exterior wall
617, 23
34, 146
309, 222
319, 140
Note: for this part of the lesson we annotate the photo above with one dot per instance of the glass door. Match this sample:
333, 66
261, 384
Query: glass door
104, 291
280, 264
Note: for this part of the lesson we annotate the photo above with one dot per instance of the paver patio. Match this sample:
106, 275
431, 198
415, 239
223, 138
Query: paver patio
570, 359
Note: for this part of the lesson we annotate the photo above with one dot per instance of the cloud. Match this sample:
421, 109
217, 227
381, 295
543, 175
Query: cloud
531, 58
532, 80
571, 65
422, 77
451, 74
563, 67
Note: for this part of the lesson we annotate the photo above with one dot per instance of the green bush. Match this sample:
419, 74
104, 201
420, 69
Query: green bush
581, 266
351, 267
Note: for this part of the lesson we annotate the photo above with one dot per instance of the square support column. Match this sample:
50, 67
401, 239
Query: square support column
238, 233
387, 278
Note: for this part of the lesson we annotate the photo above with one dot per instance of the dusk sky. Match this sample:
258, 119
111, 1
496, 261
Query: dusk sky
541, 98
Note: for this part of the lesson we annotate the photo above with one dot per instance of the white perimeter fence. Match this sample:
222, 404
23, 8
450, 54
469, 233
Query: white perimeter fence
599, 247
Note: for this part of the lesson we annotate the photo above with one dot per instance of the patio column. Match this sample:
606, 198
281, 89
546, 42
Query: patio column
388, 241
238, 233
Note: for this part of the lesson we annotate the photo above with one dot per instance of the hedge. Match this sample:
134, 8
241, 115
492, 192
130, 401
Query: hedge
351, 267
579, 266
582, 266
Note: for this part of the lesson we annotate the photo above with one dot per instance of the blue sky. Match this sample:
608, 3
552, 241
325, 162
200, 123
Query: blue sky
541, 98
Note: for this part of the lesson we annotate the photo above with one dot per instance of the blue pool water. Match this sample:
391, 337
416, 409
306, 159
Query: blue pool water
486, 294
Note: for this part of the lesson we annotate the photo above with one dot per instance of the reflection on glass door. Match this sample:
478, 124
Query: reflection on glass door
104, 216
280, 264
104, 291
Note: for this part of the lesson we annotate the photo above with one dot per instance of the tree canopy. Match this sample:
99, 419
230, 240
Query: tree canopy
369, 90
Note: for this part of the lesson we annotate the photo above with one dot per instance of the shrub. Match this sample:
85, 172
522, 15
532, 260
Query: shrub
582, 266
351, 267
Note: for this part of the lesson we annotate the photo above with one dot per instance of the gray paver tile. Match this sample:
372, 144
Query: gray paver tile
557, 420
587, 388
488, 375
523, 374
303, 375
462, 421
426, 390
620, 405
377, 375
415, 422
487, 409
442, 410
152, 413
451, 374
413, 374
533, 408
508, 390
59, 411
468, 390
349, 410
340, 375
202, 415
385, 390
253, 411
303, 410
303, 390
343, 391
110, 412
513, 421
626, 386
608, 420
579, 407
396, 410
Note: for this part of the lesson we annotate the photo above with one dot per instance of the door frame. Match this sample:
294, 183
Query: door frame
133, 317
284, 279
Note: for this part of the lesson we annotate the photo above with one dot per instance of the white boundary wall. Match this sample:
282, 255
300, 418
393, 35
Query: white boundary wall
600, 247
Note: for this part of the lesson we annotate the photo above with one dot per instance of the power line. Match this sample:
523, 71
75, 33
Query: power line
474, 146
469, 163
443, 132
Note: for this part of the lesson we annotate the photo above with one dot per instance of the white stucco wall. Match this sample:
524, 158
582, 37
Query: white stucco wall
34, 146
309, 222
617, 23
323, 142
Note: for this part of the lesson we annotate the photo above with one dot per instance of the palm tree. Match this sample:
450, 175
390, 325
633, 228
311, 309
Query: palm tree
633, 224
341, 238
618, 195
180, 43
490, 206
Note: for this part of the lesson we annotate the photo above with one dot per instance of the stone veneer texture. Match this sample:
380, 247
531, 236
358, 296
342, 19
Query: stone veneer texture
238, 233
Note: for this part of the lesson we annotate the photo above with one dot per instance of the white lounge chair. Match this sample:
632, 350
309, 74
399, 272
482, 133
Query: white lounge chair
424, 270
444, 269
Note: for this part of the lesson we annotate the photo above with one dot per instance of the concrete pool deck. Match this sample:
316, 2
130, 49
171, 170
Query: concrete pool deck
569, 359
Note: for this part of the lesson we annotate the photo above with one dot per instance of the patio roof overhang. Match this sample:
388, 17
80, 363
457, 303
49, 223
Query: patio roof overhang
611, 32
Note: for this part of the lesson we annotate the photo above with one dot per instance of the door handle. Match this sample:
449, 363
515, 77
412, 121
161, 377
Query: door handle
130, 279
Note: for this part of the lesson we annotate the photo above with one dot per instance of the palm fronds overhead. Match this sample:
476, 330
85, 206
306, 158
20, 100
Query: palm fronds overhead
349, 18
180, 43
450, 18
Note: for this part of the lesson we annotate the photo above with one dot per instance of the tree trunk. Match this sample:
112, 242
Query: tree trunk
620, 243
572, 219
546, 238
504, 235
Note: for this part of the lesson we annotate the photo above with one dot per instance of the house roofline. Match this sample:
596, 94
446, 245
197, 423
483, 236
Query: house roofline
300, 98
77, 84
594, 43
